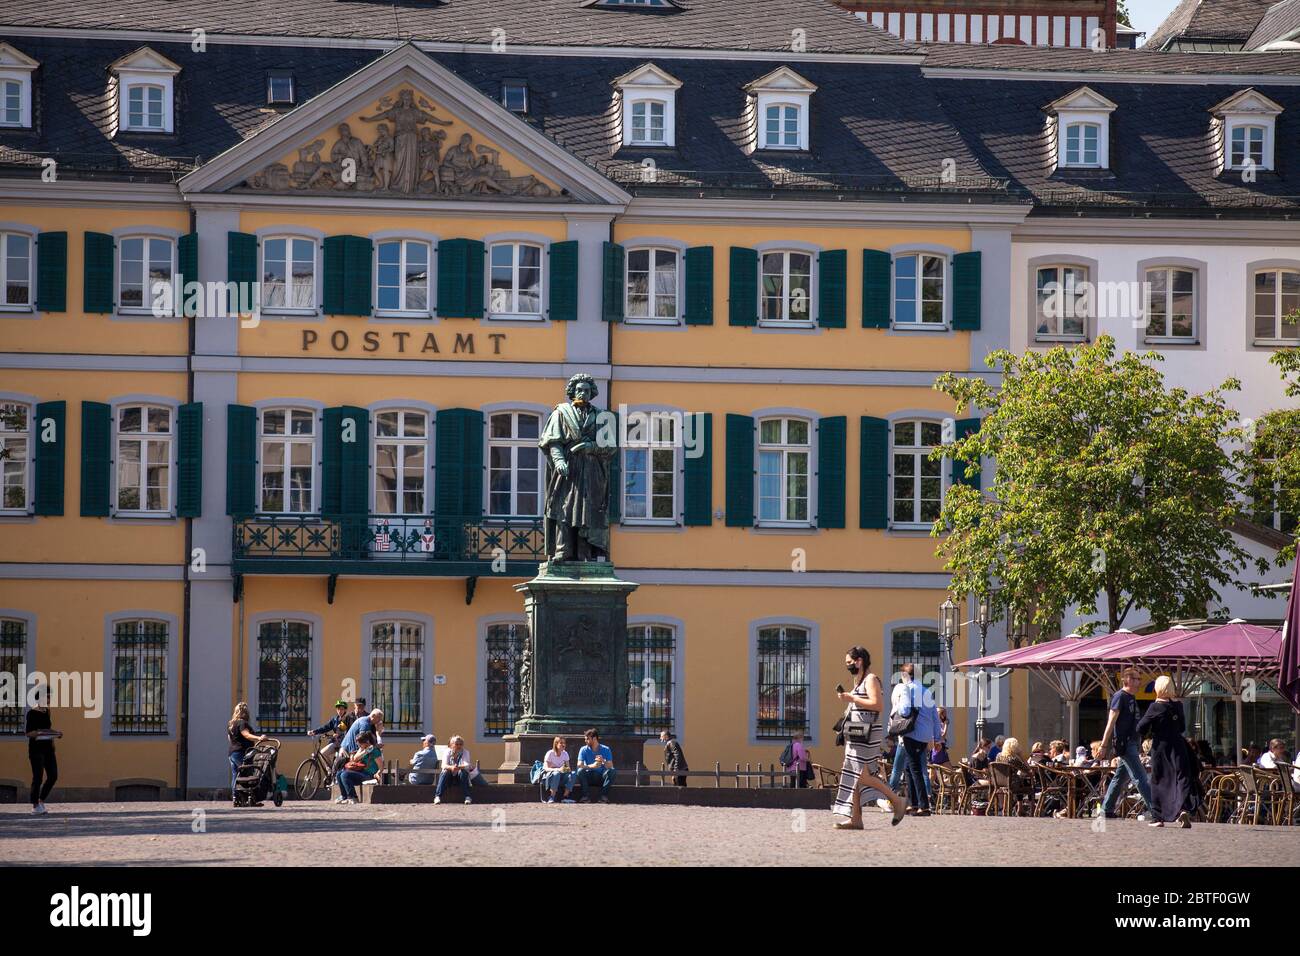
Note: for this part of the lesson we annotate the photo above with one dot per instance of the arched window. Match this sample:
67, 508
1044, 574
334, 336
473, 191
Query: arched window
1081, 144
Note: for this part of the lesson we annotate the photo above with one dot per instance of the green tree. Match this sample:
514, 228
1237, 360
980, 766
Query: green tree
1107, 483
1121, 13
1271, 457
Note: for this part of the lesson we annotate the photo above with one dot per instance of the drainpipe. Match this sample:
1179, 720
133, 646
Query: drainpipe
183, 752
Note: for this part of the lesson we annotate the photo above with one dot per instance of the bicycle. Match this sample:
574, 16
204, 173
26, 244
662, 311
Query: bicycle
314, 772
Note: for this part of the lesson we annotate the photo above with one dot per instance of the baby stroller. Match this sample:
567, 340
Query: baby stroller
256, 779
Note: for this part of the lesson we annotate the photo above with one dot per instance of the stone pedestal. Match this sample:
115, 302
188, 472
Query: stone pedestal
574, 669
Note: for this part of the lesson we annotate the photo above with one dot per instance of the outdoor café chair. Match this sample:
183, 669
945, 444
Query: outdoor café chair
826, 777
978, 791
1286, 796
1011, 791
1249, 804
941, 794
1055, 791
1269, 794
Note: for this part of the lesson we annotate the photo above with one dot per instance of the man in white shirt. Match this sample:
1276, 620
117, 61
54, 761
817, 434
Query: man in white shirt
1275, 756
455, 769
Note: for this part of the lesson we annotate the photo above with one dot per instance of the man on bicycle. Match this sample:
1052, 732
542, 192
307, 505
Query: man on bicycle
335, 727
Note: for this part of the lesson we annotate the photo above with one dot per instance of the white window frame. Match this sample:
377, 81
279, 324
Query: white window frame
1058, 336
146, 298
659, 448
264, 297
786, 320
30, 304
404, 310
23, 79
1081, 160
514, 443
785, 448
1265, 127
513, 311
1276, 338
945, 310
920, 454
288, 439
142, 439
1083, 105
147, 101
782, 87
1167, 336
653, 252
28, 457
401, 441
145, 67
765, 132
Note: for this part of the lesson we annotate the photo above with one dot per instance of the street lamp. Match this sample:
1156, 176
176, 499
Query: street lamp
983, 617
949, 626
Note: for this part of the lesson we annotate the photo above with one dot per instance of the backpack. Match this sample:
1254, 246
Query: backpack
787, 755
536, 773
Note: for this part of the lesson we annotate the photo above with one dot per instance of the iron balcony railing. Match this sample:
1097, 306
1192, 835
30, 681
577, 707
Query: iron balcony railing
387, 544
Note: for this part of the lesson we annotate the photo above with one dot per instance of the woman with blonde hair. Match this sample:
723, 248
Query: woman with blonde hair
1175, 783
242, 738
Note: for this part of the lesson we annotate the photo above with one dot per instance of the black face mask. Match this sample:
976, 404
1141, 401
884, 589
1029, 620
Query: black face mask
853, 669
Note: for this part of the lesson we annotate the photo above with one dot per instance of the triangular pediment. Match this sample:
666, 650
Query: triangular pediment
1247, 101
648, 76
144, 60
403, 127
1085, 98
12, 58
782, 79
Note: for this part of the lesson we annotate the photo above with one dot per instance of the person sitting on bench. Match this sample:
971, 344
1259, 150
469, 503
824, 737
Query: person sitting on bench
595, 768
426, 760
455, 769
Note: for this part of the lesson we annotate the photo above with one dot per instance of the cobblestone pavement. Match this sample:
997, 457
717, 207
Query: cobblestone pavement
518, 834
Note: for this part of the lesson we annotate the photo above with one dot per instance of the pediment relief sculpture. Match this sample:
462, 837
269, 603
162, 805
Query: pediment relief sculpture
405, 157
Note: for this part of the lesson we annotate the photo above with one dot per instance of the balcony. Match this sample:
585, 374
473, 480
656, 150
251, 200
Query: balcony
422, 545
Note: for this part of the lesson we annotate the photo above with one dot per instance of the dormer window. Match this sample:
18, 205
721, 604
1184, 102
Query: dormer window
144, 83
15, 88
779, 104
649, 106
1082, 121
1081, 144
1247, 124
279, 88
514, 96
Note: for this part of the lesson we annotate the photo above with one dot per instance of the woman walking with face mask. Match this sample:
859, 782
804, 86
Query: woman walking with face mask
862, 739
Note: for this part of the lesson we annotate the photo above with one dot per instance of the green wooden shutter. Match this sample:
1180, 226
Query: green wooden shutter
50, 420
966, 272
335, 264
832, 289
699, 285
460, 278
698, 482
241, 460
96, 459
358, 256
612, 264
563, 280
616, 481
966, 426
873, 474
832, 435
97, 288
354, 461
331, 471
458, 478
189, 460
876, 268
241, 269
740, 471
52, 272
742, 289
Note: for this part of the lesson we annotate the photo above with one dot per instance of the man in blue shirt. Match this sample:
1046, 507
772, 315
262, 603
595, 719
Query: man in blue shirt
372, 722
595, 768
1121, 726
426, 758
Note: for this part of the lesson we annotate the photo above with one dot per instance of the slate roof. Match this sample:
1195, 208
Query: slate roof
1281, 21
767, 25
1161, 155
1216, 20
878, 130
874, 127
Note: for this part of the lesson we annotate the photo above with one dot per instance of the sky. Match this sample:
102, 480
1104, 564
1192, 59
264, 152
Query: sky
1147, 14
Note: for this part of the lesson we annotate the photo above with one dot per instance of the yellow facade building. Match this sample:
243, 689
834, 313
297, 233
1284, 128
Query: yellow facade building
335, 493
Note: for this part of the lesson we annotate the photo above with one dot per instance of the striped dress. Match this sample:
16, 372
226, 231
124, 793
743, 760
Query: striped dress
858, 755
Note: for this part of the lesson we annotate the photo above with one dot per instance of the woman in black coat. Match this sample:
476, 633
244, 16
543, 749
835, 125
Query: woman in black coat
1175, 780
